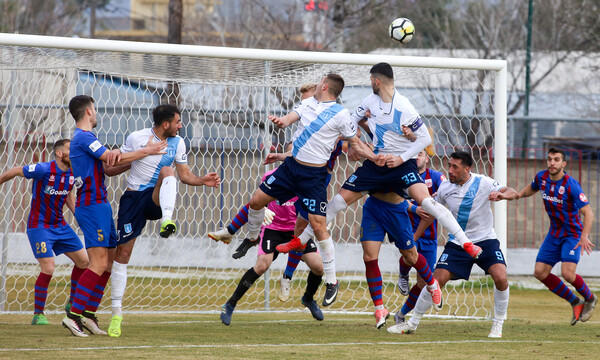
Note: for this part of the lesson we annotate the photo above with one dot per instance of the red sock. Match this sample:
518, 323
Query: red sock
85, 286
373, 275
41, 292
75, 275
98, 293
423, 269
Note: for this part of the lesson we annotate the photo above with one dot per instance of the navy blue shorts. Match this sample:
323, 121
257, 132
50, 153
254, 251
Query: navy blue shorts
135, 207
373, 178
294, 179
97, 224
456, 260
380, 218
298, 204
53, 241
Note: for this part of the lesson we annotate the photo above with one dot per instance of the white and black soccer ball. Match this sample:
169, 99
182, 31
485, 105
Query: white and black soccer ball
402, 30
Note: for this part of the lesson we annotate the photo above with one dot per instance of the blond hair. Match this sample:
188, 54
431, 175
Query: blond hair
307, 87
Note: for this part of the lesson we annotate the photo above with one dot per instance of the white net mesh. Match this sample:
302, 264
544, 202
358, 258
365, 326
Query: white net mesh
224, 104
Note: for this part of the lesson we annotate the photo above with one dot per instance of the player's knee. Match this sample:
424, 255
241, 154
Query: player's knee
568, 275
427, 204
501, 282
47, 269
123, 254
82, 263
166, 171
410, 256
540, 275
369, 257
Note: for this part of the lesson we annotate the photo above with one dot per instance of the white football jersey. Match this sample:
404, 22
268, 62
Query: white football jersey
386, 120
319, 127
470, 206
144, 172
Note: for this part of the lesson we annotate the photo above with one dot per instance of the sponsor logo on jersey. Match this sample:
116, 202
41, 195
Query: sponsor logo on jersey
552, 198
582, 197
95, 146
52, 191
561, 190
127, 228
31, 168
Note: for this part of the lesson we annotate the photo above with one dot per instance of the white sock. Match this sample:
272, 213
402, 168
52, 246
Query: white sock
336, 205
328, 255
255, 219
166, 197
444, 216
423, 304
118, 282
500, 304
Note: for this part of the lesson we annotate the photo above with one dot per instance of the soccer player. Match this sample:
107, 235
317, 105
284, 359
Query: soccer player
304, 174
279, 231
93, 212
426, 243
567, 238
150, 195
469, 196
386, 213
48, 233
399, 135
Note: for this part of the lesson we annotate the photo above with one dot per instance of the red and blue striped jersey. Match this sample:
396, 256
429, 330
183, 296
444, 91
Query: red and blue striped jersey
87, 168
334, 155
562, 200
432, 179
50, 189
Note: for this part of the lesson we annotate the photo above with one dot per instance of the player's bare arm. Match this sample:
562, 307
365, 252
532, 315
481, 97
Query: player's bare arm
409, 134
527, 191
284, 121
70, 201
11, 173
588, 218
186, 177
506, 193
274, 157
115, 170
365, 151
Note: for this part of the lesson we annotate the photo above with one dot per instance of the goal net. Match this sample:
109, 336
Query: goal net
225, 96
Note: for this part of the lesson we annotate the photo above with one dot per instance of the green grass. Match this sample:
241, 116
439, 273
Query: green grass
538, 328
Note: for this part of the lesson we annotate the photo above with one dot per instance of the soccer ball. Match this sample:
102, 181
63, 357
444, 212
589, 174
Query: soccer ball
402, 30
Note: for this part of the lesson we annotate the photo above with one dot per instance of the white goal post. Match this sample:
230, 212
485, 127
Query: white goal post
225, 95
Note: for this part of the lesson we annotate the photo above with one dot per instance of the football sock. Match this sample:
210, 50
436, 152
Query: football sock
245, 283
118, 283
41, 292
86, 284
411, 300
75, 275
421, 307
328, 255
312, 285
558, 287
500, 304
292, 263
98, 293
166, 197
255, 219
582, 288
423, 269
239, 220
404, 268
444, 216
374, 281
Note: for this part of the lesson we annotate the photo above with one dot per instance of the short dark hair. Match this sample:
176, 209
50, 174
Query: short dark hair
78, 105
465, 158
165, 112
384, 69
336, 84
554, 150
59, 144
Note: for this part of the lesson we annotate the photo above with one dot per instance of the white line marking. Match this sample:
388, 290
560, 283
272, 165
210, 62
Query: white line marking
208, 346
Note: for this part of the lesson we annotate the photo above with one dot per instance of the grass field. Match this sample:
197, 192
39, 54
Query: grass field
538, 328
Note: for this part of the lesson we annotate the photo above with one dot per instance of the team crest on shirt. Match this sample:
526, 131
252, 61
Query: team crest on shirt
171, 151
71, 180
561, 190
582, 197
429, 183
127, 228
52, 177
352, 178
